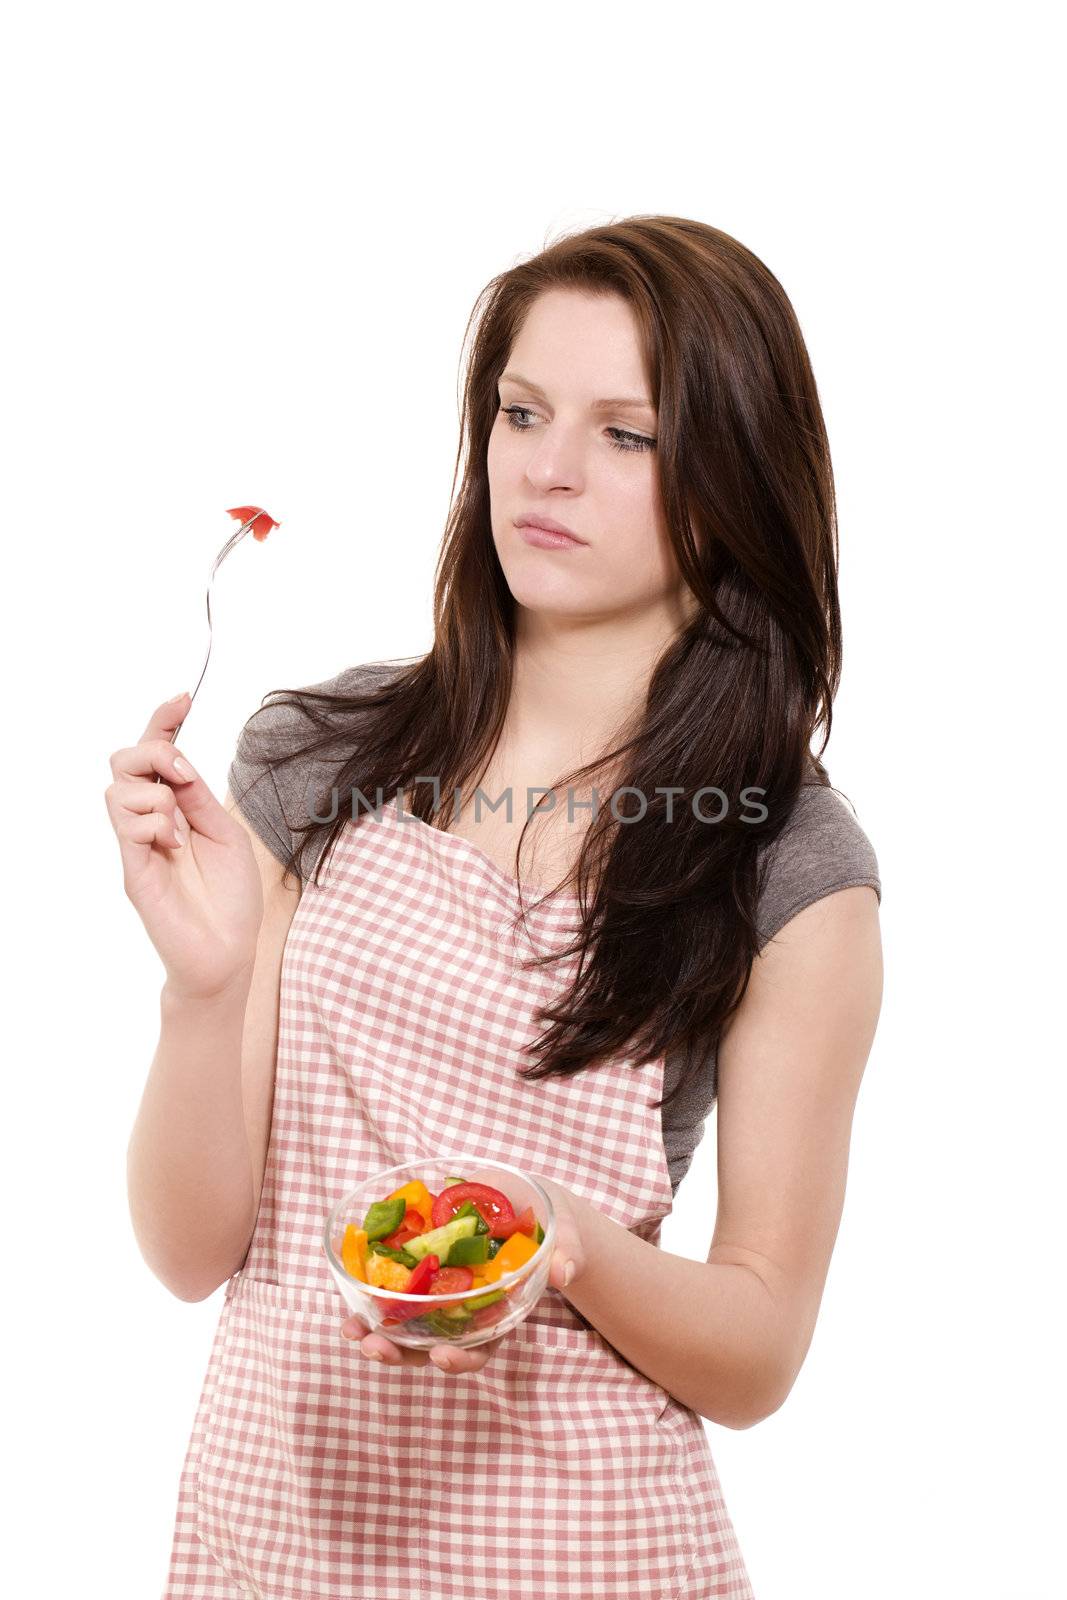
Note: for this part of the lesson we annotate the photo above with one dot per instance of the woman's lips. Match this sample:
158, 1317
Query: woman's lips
545, 540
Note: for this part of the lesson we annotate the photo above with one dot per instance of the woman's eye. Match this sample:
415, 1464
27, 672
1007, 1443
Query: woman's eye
622, 441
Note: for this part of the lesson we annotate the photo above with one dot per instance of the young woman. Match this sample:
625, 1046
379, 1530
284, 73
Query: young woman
544, 894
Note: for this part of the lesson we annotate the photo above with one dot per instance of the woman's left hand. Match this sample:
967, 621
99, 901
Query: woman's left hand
449, 1358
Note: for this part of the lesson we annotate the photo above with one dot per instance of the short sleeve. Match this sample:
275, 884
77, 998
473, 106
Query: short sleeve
281, 801
822, 849
255, 787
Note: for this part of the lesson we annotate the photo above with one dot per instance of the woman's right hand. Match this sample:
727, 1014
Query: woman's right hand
189, 869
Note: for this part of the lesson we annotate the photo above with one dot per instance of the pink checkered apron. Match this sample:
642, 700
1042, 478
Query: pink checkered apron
558, 1471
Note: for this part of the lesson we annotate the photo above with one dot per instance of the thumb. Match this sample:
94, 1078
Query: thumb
568, 1257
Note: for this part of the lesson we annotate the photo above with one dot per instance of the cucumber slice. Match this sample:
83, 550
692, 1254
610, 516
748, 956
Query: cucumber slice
447, 1327
439, 1241
456, 1313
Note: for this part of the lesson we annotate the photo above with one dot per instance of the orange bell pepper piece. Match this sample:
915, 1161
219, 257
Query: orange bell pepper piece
511, 1255
354, 1252
385, 1273
418, 1197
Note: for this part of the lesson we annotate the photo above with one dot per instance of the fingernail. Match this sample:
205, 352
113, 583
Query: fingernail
568, 1273
173, 701
375, 1355
183, 767
446, 1363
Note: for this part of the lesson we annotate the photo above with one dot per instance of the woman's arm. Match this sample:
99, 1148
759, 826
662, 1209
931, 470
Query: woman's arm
729, 1336
198, 1149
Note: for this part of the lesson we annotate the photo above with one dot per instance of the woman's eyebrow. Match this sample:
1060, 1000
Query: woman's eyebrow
635, 402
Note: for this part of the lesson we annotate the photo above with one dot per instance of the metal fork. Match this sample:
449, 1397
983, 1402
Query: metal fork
231, 543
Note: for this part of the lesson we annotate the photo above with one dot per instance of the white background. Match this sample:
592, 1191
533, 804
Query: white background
242, 245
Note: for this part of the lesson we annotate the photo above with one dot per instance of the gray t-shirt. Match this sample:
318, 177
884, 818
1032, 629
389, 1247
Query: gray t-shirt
821, 849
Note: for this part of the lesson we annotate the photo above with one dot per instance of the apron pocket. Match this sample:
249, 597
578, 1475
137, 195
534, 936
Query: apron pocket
575, 1346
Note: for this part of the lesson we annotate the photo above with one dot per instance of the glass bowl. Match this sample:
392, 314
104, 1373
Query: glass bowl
466, 1317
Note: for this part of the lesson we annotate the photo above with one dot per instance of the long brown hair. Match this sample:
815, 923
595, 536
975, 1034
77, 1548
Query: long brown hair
668, 926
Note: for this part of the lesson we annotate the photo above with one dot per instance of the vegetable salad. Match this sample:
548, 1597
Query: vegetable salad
466, 1237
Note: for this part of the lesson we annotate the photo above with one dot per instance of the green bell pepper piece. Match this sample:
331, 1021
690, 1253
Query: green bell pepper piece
484, 1299
471, 1251
469, 1209
384, 1216
378, 1249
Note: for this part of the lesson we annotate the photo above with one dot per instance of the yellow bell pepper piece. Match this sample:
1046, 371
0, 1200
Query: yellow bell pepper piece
354, 1252
385, 1273
416, 1195
511, 1255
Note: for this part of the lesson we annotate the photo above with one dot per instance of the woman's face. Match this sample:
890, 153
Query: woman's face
557, 451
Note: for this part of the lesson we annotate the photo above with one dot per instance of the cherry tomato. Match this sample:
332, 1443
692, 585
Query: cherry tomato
450, 1280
